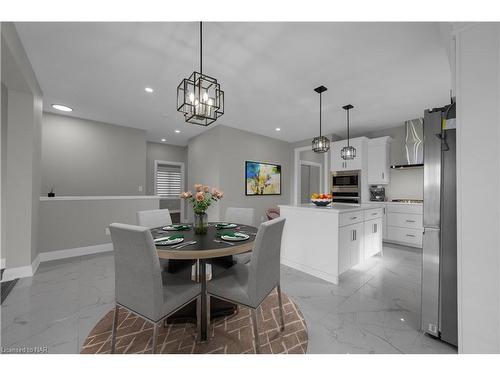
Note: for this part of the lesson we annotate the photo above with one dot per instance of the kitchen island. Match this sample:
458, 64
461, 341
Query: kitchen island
327, 241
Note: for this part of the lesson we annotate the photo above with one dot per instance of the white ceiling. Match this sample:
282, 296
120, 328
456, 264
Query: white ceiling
390, 72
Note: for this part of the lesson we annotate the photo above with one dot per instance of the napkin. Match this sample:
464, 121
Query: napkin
230, 234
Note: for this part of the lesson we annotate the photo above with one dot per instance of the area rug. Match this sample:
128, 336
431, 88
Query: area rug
227, 335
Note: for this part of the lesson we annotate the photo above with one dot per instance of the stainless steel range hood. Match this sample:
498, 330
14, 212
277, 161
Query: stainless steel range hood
413, 147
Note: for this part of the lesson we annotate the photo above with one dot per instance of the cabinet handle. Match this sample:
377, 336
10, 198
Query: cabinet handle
410, 221
355, 234
352, 235
354, 218
374, 213
410, 235
374, 228
382, 175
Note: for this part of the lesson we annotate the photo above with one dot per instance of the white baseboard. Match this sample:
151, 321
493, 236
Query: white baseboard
20, 272
311, 271
28, 271
75, 252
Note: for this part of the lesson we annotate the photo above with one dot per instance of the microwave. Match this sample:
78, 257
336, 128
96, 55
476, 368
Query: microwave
345, 186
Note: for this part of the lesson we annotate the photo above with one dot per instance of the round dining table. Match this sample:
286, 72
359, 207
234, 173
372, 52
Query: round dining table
204, 248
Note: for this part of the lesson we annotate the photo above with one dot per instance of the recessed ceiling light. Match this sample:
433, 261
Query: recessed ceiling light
149, 89
278, 129
163, 140
61, 107
177, 131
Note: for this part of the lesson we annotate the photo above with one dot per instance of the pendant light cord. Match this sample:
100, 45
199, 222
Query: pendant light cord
347, 128
201, 47
320, 114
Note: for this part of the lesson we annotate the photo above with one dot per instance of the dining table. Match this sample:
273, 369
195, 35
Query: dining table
204, 249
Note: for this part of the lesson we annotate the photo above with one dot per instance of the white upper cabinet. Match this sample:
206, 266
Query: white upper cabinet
378, 161
339, 164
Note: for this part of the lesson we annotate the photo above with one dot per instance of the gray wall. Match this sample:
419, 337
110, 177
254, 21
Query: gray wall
84, 157
407, 183
238, 146
22, 155
165, 152
3, 167
204, 156
217, 158
69, 224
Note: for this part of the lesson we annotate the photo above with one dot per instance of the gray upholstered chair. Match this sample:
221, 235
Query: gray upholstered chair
249, 284
154, 218
140, 286
241, 216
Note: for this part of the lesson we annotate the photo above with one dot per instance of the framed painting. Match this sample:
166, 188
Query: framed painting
262, 178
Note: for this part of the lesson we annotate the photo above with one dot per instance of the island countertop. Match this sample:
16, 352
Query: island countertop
332, 208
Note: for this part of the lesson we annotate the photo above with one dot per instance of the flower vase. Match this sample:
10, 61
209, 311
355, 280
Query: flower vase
200, 223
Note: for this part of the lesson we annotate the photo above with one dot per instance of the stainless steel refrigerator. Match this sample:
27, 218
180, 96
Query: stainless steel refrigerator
439, 269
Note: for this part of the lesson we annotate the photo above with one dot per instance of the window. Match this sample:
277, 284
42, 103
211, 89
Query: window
168, 181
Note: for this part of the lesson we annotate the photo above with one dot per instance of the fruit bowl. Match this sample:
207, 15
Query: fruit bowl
321, 202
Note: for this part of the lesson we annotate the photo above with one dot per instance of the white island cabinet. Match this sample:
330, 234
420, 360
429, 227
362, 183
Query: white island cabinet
327, 241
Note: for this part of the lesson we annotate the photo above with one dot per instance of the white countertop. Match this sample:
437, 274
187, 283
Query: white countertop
335, 208
395, 203
97, 198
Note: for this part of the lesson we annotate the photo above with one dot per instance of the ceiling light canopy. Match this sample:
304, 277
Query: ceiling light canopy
320, 144
163, 140
348, 152
199, 97
61, 107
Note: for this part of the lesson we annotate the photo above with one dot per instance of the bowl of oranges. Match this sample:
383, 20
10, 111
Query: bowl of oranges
321, 199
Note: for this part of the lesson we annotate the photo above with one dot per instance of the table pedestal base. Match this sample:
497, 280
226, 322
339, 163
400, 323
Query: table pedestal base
218, 308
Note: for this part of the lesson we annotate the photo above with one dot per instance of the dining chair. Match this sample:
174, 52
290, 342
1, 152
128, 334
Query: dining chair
249, 284
140, 286
154, 218
241, 216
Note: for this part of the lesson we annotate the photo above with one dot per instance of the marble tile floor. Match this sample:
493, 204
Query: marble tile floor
374, 309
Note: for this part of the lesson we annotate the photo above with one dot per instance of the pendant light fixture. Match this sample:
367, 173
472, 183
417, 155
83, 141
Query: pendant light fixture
199, 97
348, 152
320, 144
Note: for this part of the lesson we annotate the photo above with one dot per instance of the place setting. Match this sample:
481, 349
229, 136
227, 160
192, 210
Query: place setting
230, 237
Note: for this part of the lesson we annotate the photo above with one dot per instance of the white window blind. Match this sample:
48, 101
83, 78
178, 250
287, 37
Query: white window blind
168, 181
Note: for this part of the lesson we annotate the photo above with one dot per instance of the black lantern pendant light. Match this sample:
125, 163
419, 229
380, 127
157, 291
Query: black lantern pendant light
199, 97
320, 144
348, 152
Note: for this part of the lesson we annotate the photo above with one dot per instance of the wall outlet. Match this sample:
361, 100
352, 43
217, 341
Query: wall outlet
140, 187
107, 232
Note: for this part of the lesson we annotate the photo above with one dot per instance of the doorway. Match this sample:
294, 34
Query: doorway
310, 180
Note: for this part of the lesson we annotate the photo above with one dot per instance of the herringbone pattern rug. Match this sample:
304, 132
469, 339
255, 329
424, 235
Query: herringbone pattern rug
229, 335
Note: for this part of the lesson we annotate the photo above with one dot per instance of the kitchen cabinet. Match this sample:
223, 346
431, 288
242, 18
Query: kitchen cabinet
372, 237
339, 164
338, 246
404, 224
350, 246
379, 160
